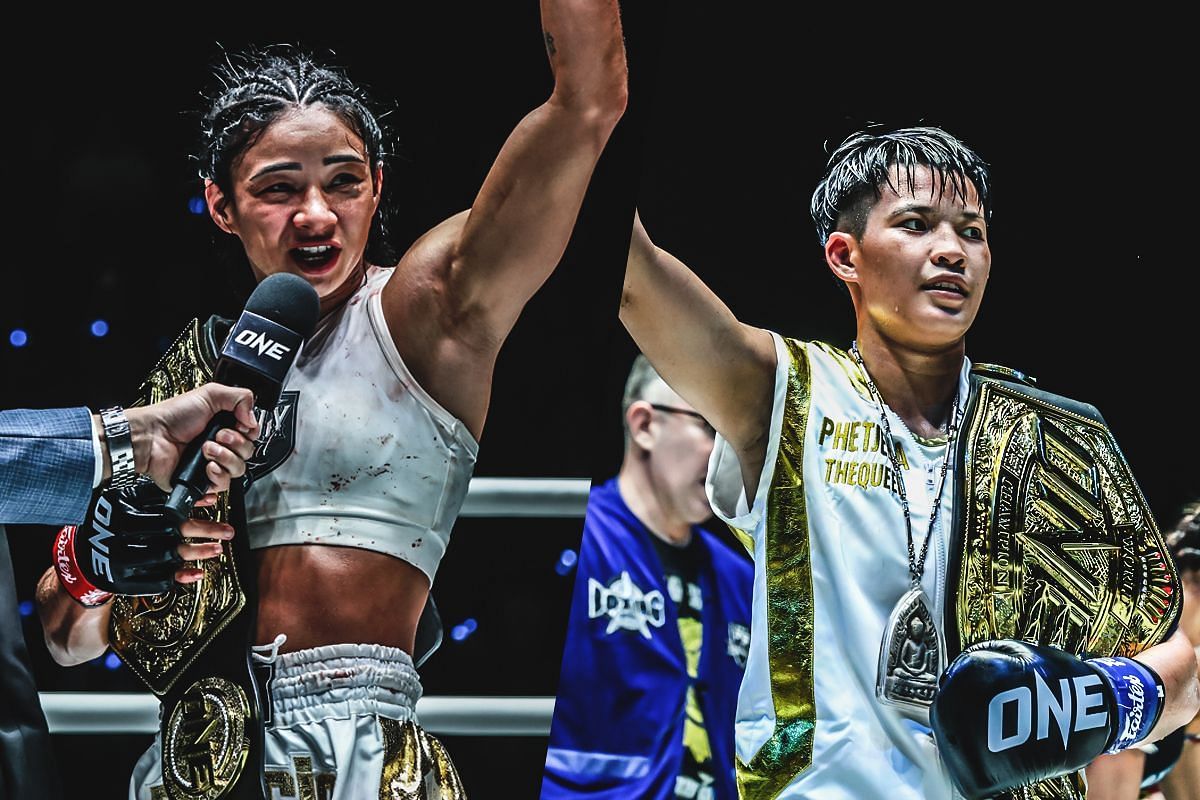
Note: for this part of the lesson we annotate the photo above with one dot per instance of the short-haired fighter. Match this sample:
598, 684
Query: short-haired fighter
927, 533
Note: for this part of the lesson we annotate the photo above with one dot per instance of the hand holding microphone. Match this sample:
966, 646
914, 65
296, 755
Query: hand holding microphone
134, 539
281, 313
128, 543
161, 433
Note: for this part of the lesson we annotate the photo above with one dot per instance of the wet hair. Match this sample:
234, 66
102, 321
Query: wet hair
256, 86
867, 161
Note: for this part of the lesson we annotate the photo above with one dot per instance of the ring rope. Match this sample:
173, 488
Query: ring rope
102, 712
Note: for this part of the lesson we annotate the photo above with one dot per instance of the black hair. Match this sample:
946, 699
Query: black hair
1184, 540
866, 161
256, 86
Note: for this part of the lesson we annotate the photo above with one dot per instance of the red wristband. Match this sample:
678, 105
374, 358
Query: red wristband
69, 574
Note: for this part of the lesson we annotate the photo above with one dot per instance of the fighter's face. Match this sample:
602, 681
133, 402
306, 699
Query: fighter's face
678, 446
303, 196
918, 273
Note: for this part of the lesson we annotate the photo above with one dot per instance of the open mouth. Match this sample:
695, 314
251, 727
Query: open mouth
315, 258
945, 286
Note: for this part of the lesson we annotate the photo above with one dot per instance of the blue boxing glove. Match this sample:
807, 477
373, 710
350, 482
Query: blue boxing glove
1009, 713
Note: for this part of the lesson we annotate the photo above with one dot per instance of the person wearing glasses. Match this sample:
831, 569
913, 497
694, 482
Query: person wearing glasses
660, 621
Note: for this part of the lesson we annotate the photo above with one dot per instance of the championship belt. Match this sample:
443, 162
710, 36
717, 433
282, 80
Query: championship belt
191, 645
1053, 541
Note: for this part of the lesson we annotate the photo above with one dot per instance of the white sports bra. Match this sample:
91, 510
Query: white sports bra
356, 453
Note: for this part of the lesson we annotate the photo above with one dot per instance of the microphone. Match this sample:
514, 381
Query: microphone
258, 352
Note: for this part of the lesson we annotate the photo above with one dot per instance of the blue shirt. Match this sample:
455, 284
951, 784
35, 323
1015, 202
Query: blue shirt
618, 719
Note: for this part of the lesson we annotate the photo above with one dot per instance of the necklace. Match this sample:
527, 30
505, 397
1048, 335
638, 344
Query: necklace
912, 653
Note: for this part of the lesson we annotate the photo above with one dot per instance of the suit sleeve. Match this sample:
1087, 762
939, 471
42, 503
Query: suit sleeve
47, 463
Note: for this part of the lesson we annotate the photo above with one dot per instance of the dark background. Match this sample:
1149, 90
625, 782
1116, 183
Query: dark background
1093, 287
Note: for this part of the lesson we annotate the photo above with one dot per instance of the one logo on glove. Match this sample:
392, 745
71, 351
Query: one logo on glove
101, 519
626, 606
1072, 709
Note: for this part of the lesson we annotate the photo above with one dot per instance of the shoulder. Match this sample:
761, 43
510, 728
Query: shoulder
801, 354
1014, 380
436, 247
1001, 372
604, 501
376, 279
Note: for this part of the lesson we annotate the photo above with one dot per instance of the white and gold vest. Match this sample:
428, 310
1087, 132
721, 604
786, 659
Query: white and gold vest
826, 529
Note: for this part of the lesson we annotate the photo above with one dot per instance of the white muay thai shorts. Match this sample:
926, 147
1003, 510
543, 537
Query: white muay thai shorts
342, 727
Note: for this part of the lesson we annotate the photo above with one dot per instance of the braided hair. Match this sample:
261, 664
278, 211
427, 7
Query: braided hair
257, 86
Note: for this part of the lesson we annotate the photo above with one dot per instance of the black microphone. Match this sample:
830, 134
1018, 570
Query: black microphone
258, 352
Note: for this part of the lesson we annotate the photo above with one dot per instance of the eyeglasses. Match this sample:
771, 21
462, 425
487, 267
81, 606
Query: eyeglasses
673, 410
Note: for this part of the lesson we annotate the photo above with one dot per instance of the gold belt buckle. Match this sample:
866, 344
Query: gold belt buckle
206, 743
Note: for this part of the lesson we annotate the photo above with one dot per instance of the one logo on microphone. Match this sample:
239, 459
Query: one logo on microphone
266, 346
258, 344
626, 605
1071, 710
277, 437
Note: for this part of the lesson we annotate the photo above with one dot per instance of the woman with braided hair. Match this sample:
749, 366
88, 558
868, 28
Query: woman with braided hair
365, 462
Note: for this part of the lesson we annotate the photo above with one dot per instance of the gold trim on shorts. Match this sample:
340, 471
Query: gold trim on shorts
415, 765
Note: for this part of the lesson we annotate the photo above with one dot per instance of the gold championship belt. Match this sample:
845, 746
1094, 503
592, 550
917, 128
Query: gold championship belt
1055, 543
158, 636
190, 644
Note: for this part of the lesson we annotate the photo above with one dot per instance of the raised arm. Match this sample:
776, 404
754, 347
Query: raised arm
487, 262
723, 367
